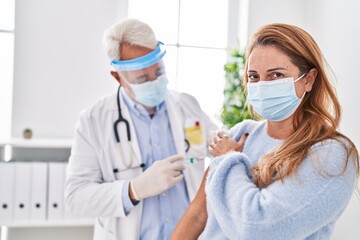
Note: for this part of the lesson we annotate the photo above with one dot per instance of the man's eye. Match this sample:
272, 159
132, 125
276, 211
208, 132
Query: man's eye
159, 73
138, 80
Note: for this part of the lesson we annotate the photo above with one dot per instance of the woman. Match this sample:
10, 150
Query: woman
291, 175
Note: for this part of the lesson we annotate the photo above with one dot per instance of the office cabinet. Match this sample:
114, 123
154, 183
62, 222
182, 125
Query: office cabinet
32, 183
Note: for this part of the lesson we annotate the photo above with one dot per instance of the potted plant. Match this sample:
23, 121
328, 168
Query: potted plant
27, 133
235, 108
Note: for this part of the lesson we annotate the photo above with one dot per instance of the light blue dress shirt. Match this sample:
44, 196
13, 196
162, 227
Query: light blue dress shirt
160, 213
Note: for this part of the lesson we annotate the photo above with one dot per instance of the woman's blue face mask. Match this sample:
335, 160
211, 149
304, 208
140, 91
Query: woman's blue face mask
274, 100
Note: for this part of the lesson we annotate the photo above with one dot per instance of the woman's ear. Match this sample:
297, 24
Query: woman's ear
116, 76
310, 79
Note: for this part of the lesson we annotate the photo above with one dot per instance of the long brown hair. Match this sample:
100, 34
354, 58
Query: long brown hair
317, 117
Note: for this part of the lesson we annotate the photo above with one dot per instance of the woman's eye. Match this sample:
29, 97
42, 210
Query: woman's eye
276, 75
253, 78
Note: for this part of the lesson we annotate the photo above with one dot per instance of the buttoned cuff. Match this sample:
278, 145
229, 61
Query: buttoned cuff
127, 203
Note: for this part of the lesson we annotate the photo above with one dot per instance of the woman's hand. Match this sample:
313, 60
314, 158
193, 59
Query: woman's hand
222, 144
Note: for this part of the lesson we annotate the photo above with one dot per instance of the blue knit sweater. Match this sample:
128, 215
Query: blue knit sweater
305, 205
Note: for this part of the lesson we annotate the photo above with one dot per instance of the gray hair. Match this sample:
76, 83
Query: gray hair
130, 31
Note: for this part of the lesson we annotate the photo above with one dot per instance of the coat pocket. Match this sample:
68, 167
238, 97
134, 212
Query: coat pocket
101, 231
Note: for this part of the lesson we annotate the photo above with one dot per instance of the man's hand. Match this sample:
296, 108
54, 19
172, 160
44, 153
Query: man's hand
160, 176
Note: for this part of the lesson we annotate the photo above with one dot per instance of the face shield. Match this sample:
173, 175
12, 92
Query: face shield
145, 76
140, 70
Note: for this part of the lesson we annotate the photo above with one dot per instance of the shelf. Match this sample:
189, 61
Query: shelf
38, 143
53, 223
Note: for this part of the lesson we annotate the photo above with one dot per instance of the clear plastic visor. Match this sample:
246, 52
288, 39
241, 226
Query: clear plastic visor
142, 69
143, 75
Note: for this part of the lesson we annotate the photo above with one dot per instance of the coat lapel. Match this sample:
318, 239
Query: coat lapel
176, 120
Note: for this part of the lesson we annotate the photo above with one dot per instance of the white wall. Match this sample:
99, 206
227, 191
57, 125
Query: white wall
60, 66
275, 11
6, 76
336, 26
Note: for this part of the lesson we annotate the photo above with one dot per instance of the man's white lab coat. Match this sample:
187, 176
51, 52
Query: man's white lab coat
98, 164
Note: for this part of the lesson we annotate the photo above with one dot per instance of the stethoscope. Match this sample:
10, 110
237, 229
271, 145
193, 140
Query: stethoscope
121, 119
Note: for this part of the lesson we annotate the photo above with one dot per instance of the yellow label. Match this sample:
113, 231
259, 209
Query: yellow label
194, 135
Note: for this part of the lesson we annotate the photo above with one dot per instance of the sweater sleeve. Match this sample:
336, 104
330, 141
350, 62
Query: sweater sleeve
291, 209
246, 126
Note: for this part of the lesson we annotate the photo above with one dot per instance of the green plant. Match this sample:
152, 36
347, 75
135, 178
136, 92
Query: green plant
235, 108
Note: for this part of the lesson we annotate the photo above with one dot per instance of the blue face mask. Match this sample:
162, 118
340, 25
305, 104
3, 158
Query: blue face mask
274, 100
151, 93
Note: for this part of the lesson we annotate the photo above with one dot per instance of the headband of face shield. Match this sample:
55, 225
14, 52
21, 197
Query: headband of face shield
142, 62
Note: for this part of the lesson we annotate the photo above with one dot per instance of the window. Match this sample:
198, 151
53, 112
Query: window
196, 35
7, 10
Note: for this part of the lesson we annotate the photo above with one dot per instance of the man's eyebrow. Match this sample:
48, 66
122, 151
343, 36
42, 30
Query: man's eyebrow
160, 68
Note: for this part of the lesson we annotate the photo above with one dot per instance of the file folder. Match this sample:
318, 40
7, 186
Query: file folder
7, 178
22, 191
56, 191
67, 214
38, 191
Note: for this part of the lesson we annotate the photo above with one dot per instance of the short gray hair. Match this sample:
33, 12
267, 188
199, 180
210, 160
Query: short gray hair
130, 31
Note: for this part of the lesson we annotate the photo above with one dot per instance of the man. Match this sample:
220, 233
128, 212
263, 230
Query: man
133, 164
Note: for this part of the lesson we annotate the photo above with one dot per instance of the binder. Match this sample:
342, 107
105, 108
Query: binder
38, 191
56, 191
22, 191
67, 214
7, 178
70, 216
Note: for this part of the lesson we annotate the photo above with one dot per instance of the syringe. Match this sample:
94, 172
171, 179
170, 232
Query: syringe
193, 160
